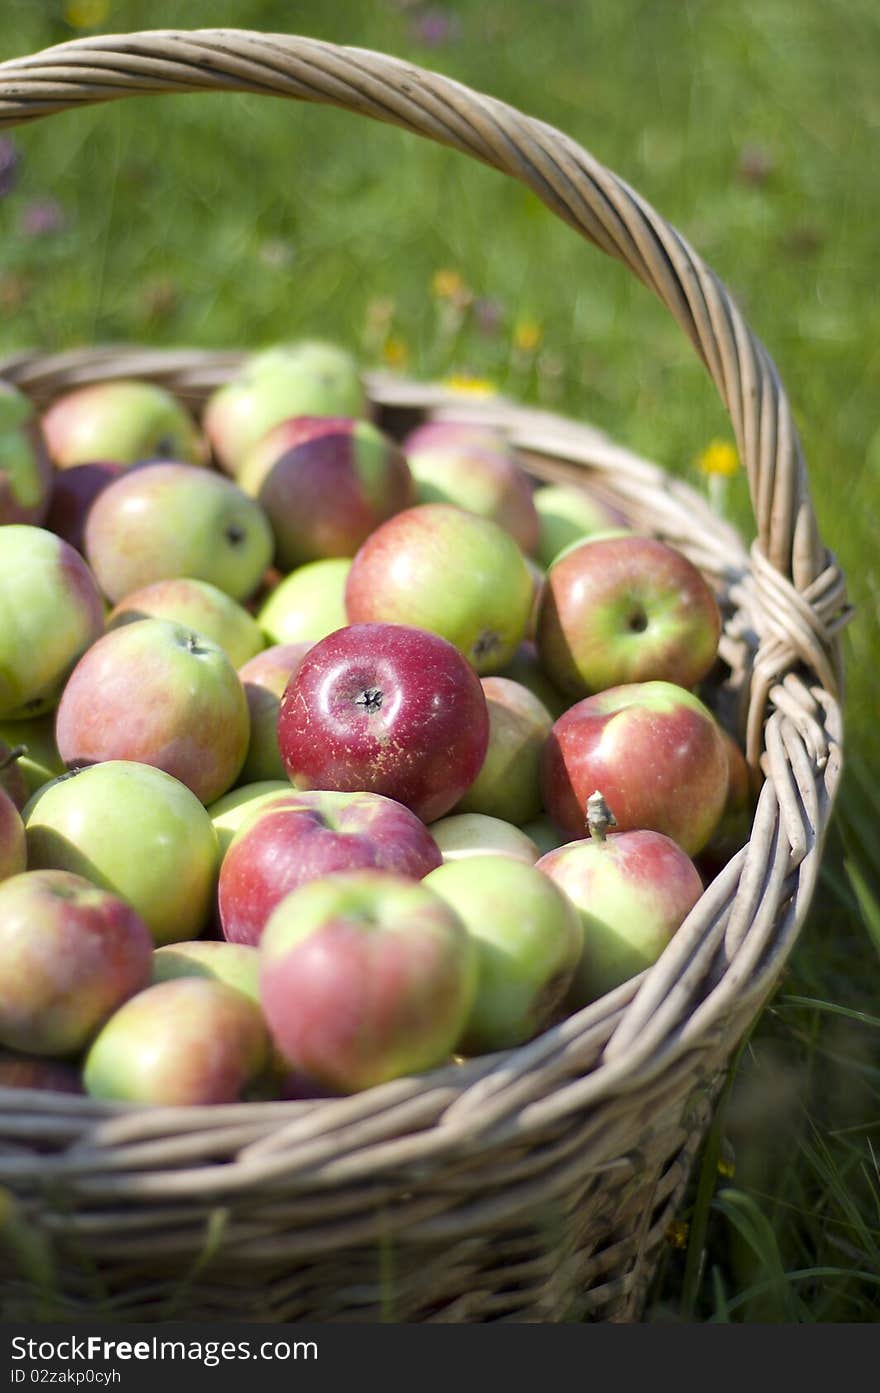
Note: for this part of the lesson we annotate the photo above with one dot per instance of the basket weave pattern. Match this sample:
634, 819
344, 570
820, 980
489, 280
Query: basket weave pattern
535, 1184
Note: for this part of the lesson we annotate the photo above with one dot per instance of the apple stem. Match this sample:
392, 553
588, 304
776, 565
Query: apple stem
15, 753
599, 817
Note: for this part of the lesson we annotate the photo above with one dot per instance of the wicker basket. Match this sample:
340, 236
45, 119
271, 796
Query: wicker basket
537, 1184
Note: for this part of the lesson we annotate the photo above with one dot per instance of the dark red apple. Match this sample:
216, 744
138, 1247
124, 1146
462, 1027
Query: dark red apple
74, 490
388, 709
298, 837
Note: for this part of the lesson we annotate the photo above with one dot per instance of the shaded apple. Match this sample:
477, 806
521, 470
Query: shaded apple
264, 679
136, 831
235, 808
325, 483
508, 785
568, 514
525, 667
13, 855
165, 520
50, 611
735, 824
70, 954
187, 1041
307, 604
310, 378
38, 760
439, 568
33, 1071
625, 609
654, 750
199, 606
25, 468
389, 709
528, 940
304, 836
159, 694
123, 421
74, 490
235, 964
461, 835
544, 833
365, 977
12, 777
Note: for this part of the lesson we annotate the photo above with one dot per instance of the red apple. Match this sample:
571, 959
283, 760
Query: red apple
388, 709
455, 574
476, 469
31, 1071
365, 977
70, 954
157, 693
625, 609
654, 750
265, 678
325, 483
734, 827
300, 837
74, 490
632, 891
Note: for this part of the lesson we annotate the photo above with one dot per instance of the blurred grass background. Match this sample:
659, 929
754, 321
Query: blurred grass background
753, 126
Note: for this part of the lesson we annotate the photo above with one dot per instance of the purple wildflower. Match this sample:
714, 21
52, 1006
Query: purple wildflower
435, 27
42, 217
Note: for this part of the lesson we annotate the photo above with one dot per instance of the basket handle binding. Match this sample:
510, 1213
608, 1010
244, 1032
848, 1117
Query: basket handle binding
792, 571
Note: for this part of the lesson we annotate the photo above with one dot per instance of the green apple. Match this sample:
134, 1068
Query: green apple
236, 964
309, 603
25, 468
508, 785
544, 833
135, 830
525, 668
197, 605
50, 611
123, 422
40, 760
264, 679
238, 805
161, 521
567, 514
529, 941
473, 834
439, 568
298, 379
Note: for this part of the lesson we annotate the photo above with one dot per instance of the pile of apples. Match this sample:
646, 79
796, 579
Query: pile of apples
327, 757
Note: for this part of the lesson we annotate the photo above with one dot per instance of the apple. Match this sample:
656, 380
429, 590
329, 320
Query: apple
136, 831
385, 708
439, 568
237, 806
25, 468
568, 514
632, 890
734, 826
32, 1071
309, 603
264, 679
165, 520
236, 964
508, 785
199, 606
475, 469
38, 760
525, 668
299, 379
50, 611
124, 421
529, 942
74, 490
543, 833
188, 1041
365, 977
12, 777
13, 855
461, 835
159, 694
654, 750
625, 609
70, 954
325, 483
305, 836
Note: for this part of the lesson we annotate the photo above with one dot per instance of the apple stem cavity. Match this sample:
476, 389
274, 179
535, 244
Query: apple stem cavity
484, 644
370, 699
235, 534
599, 817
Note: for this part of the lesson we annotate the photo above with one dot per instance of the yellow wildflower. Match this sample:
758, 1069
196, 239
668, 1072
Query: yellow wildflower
719, 458
86, 14
527, 335
474, 386
677, 1233
395, 352
447, 284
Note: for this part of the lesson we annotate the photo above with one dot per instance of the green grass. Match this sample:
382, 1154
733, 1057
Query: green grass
228, 220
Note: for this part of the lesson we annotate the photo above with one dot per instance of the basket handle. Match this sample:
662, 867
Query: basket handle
791, 563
